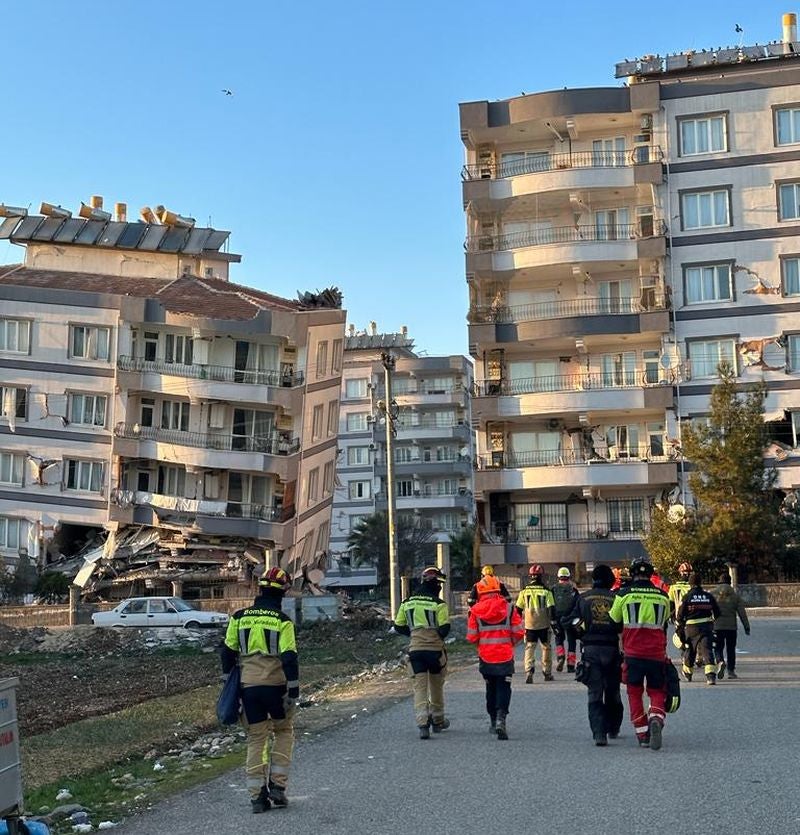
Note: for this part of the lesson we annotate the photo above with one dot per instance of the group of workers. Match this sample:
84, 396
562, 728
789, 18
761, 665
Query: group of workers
260, 640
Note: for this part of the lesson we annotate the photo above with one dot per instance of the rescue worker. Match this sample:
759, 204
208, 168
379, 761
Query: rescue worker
725, 627
261, 640
565, 596
495, 626
695, 619
599, 637
536, 603
643, 611
426, 619
486, 571
678, 590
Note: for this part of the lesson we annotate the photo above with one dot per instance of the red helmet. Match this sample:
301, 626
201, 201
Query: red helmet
274, 578
685, 569
536, 570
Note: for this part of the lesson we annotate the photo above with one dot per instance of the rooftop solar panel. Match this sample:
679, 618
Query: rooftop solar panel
216, 239
131, 235
66, 234
174, 239
197, 241
152, 237
91, 232
8, 226
28, 226
48, 229
111, 233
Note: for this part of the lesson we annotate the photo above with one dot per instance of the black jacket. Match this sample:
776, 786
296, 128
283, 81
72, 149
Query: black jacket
597, 628
697, 608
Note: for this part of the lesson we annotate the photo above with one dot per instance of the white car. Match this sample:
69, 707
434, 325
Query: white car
159, 611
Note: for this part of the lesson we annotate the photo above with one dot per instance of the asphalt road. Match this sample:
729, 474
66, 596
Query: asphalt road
729, 764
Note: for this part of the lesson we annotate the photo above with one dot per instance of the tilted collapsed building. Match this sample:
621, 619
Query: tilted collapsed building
183, 425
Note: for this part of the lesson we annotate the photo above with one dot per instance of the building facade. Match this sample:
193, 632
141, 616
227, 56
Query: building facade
623, 241
433, 443
186, 423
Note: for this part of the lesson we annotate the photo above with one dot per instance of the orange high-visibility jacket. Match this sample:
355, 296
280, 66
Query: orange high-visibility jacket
495, 626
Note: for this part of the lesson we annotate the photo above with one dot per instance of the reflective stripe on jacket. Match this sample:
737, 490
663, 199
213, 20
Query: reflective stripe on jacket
424, 615
536, 603
698, 606
643, 611
495, 626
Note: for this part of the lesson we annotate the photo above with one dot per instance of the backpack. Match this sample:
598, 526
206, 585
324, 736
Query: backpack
229, 703
673, 686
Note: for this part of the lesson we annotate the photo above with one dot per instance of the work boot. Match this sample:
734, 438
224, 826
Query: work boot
613, 734
655, 726
277, 794
548, 677
442, 725
570, 668
529, 677
261, 803
600, 740
732, 675
686, 672
492, 725
560, 664
721, 670
424, 732
644, 740
501, 726
571, 659
711, 678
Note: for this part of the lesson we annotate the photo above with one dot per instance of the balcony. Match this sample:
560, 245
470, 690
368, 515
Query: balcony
431, 429
612, 467
628, 157
429, 499
215, 451
451, 464
566, 309
216, 381
565, 245
568, 544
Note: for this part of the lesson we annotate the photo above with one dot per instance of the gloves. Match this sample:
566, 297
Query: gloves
746, 631
289, 701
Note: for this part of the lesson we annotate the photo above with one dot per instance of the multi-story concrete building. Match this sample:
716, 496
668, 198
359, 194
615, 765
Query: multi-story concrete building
622, 241
144, 391
433, 445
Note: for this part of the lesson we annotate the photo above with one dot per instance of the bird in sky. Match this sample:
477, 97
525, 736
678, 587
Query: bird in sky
738, 29
227, 92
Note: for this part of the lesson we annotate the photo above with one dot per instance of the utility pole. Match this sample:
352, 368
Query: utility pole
390, 412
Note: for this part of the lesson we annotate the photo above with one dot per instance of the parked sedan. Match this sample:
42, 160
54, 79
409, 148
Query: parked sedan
159, 611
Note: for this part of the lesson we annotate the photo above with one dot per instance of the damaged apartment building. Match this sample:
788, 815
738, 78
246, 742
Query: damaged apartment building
622, 242
162, 428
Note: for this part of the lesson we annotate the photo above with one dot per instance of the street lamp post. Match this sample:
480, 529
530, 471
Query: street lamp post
389, 408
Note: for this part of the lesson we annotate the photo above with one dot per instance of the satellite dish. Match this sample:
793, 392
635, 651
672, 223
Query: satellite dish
676, 513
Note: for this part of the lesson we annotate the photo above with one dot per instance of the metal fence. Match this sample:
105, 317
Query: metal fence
285, 376
270, 444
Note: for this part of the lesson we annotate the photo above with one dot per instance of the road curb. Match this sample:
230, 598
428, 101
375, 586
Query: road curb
773, 611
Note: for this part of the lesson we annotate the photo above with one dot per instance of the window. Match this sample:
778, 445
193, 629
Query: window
705, 209
438, 385
175, 415
655, 439
322, 537
322, 358
355, 520
357, 422
84, 475
790, 275
327, 478
703, 136
623, 442
652, 366
706, 355
793, 349
513, 163
789, 201
13, 533
618, 369
89, 343
15, 336
333, 418
405, 488
87, 409
147, 411
178, 349
336, 358
403, 385
609, 152
626, 515
402, 454
538, 522
355, 389
171, 481
708, 283
313, 486
787, 124
316, 422
359, 490
357, 455
11, 468
13, 402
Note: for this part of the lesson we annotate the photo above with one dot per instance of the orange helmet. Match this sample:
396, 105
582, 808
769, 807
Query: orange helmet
488, 585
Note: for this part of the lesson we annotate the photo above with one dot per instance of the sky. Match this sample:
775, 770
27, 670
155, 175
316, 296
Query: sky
337, 159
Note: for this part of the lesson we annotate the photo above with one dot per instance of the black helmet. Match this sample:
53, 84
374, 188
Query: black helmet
641, 567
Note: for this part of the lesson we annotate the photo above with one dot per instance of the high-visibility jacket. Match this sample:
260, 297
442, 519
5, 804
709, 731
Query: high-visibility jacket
495, 626
698, 607
677, 592
426, 619
536, 603
263, 638
643, 611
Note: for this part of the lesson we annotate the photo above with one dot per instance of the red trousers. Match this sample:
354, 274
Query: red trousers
641, 674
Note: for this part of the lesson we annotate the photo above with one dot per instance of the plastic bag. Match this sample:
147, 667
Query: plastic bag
229, 703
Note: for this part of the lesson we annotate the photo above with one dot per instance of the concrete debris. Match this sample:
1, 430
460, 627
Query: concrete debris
64, 794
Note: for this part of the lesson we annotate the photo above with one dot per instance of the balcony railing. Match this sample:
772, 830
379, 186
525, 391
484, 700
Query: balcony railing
426, 492
511, 532
428, 422
564, 235
566, 308
582, 381
285, 376
424, 388
587, 455
434, 459
555, 162
270, 445
189, 508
